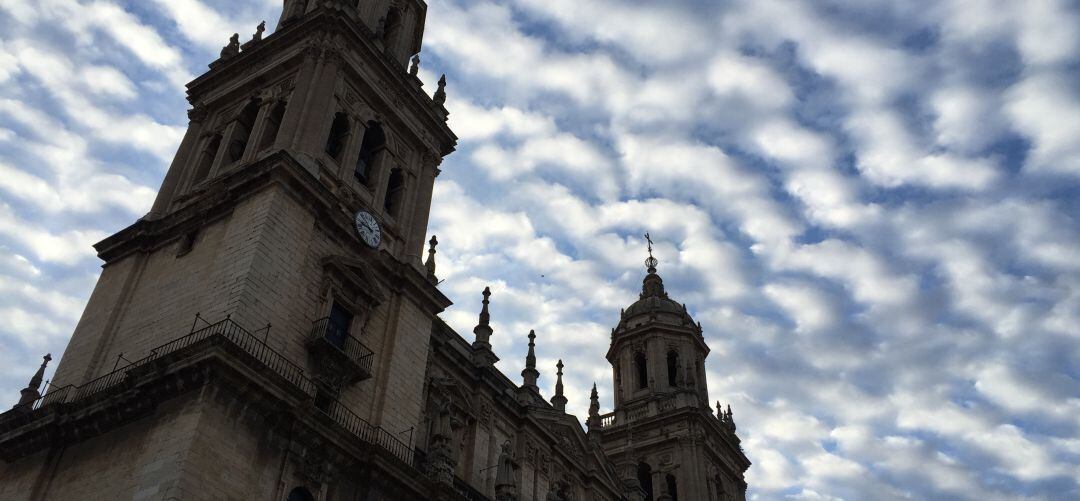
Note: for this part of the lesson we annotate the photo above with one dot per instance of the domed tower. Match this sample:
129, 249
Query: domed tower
663, 435
657, 350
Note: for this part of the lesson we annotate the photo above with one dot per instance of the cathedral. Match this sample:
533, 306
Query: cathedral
270, 328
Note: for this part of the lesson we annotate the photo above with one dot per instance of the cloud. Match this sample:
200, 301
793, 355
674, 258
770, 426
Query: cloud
869, 206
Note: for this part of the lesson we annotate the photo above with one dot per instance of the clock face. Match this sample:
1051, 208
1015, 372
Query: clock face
368, 229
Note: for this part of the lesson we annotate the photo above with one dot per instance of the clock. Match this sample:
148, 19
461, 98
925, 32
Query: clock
368, 229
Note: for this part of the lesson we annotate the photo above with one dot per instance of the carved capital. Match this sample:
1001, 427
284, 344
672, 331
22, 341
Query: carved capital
198, 113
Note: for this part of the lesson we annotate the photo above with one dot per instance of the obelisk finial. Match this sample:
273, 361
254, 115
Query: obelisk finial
559, 400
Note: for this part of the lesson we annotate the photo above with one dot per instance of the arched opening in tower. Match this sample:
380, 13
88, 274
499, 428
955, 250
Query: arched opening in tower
238, 144
374, 142
672, 368
672, 487
395, 191
642, 369
273, 125
339, 135
644, 477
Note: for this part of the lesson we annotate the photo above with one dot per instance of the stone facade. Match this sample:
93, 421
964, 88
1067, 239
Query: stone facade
244, 342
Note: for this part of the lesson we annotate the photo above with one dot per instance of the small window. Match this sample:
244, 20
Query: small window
395, 192
339, 135
641, 366
672, 368
273, 125
187, 242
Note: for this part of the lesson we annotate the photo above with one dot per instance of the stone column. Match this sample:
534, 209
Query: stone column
180, 164
252, 147
294, 114
352, 149
425, 184
223, 150
318, 107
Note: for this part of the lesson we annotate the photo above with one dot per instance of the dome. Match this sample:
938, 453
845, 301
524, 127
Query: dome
654, 306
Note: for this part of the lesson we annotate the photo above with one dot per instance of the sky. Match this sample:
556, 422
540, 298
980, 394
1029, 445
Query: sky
872, 207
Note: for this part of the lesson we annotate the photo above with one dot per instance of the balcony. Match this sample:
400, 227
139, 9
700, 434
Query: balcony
340, 358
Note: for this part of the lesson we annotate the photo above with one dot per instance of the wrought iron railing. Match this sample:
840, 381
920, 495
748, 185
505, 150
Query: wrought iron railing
368, 432
229, 331
326, 331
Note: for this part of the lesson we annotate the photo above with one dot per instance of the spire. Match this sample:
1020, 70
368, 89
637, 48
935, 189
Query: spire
594, 402
530, 373
482, 354
730, 419
650, 262
483, 329
559, 400
652, 285
593, 423
430, 263
31, 392
440, 93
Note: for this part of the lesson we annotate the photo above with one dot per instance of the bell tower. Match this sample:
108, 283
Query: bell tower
289, 226
663, 435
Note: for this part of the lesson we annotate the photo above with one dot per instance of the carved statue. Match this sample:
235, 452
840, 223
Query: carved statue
380, 28
415, 67
505, 488
233, 48
257, 37
440, 93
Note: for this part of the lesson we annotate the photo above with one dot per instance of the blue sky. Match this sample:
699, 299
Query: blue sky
871, 207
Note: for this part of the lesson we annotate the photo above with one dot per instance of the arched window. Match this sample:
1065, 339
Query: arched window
642, 370
300, 494
644, 477
672, 368
373, 144
242, 132
206, 159
395, 191
339, 135
672, 487
273, 125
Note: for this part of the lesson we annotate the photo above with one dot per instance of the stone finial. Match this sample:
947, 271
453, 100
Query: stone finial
430, 263
483, 329
730, 419
530, 374
594, 402
414, 67
32, 390
719, 411
440, 93
233, 47
505, 488
593, 422
259, 30
559, 400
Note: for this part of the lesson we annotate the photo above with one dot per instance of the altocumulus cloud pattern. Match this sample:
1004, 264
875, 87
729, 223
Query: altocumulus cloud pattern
872, 207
